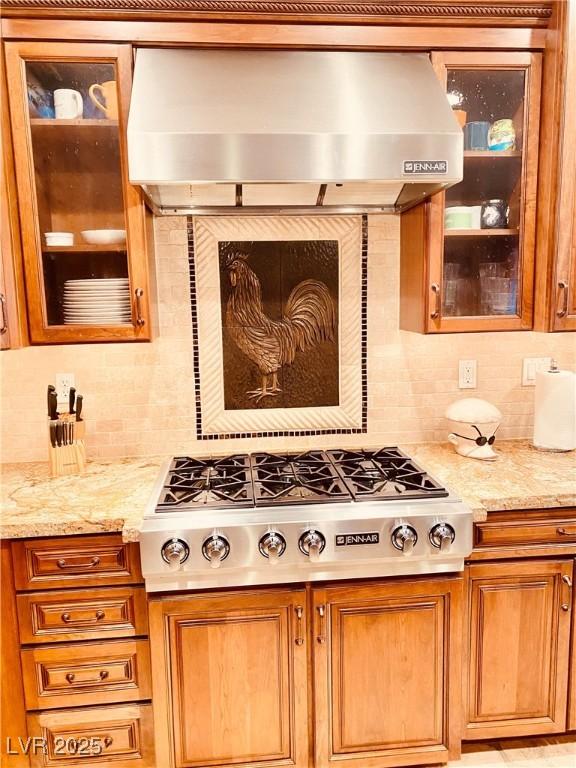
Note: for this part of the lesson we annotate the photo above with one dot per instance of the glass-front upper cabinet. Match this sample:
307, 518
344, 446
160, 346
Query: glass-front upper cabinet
82, 223
482, 230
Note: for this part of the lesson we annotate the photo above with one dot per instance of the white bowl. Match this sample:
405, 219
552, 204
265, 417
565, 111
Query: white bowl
103, 236
59, 238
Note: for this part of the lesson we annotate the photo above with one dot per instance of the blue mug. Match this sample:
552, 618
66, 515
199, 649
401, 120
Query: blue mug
476, 135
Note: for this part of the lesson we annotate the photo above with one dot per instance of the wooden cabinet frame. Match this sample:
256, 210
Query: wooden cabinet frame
563, 299
422, 228
17, 53
14, 330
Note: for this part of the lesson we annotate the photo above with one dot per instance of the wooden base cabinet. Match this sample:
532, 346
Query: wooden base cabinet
233, 673
518, 639
230, 679
387, 673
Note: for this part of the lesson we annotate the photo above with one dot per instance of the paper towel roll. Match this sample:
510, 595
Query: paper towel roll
555, 411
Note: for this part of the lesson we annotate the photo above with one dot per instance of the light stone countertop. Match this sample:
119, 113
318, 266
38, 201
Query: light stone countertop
112, 495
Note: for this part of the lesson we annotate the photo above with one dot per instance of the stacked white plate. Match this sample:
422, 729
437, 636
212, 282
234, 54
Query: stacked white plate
104, 301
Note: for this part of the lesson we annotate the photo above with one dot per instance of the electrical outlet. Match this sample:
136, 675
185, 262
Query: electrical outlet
63, 383
529, 367
467, 374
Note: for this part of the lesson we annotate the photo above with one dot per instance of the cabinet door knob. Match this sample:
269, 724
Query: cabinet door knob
139, 317
563, 286
435, 288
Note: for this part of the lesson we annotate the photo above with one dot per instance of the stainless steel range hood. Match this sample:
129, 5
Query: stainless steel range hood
236, 130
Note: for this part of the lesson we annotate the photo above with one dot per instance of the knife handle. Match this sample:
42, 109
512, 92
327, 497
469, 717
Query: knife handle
79, 401
71, 399
51, 388
53, 405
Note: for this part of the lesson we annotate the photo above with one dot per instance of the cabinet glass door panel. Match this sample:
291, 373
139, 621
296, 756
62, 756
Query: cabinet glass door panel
481, 232
73, 112
482, 215
83, 224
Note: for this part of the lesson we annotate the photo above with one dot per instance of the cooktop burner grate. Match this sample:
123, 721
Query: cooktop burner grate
207, 483
296, 479
384, 474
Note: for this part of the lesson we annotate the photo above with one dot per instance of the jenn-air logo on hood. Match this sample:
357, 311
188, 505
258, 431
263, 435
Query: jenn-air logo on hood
412, 167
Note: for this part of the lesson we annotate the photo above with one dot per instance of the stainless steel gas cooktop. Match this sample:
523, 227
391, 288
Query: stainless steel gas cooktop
275, 518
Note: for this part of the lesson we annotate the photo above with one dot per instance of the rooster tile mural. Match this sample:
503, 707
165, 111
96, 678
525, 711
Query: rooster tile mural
279, 302
278, 324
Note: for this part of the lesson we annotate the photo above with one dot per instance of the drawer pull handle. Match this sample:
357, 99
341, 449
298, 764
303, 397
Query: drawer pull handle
564, 532
108, 741
102, 675
568, 581
90, 564
67, 618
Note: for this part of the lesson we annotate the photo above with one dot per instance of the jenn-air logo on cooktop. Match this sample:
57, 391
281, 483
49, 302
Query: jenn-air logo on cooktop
349, 539
414, 167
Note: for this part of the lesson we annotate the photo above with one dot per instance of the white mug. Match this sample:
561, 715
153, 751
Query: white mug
68, 104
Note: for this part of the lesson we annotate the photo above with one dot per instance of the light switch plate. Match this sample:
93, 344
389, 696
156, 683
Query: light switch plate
467, 374
529, 367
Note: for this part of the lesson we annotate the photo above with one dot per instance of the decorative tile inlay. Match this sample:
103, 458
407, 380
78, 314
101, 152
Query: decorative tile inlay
279, 325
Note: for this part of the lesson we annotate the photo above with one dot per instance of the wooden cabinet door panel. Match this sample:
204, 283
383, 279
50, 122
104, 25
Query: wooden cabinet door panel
572, 685
519, 626
230, 679
385, 672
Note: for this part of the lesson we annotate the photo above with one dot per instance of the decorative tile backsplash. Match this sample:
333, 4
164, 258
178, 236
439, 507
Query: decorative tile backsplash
140, 399
279, 325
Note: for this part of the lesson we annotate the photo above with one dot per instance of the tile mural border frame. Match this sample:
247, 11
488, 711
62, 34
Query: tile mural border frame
200, 434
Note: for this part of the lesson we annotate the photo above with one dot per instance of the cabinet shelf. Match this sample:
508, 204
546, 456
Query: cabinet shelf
494, 155
50, 122
85, 248
480, 232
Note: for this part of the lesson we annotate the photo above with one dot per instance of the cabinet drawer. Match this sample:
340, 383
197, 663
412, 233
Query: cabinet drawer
525, 533
92, 673
77, 561
112, 736
87, 614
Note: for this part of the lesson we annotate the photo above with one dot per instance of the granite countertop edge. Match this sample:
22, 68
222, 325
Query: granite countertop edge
112, 495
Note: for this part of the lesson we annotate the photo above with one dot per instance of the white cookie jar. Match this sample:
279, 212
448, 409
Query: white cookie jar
473, 424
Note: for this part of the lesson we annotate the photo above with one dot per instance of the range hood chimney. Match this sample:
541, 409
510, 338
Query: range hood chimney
227, 131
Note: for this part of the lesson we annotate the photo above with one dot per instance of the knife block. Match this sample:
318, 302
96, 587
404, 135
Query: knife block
68, 459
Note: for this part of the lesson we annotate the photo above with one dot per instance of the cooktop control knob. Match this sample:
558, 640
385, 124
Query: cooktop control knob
404, 538
272, 546
215, 549
312, 543
175, 552
441, 536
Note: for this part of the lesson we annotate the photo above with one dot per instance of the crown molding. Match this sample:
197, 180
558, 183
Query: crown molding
517, 13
